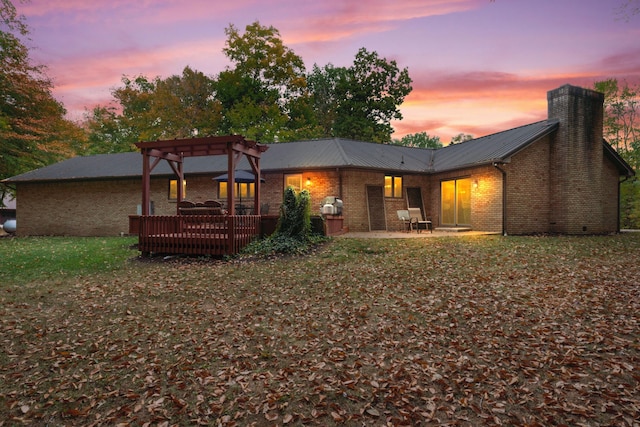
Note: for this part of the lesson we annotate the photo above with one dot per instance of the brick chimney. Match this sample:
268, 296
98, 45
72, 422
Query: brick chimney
576, 160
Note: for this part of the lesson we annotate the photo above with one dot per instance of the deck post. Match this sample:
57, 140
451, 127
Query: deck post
180, 188
146, 182
257, 195
231, 181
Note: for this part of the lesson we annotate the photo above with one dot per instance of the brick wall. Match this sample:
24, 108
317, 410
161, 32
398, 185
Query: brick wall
102, 208
486, 197
355, 183
528, 187
576, 160
611, 196
322, 183
98, 208
87, 208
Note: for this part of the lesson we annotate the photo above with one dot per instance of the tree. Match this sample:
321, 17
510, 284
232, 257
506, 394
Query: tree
323, 86
264, 96
248, 108
33, 129
461, 137
419, 140
106, 134
621, 108
368, 98
116, 128
622, 130
260, 54
184, 106
180, 106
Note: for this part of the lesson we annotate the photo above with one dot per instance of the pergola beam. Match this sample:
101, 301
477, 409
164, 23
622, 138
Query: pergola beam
174, 152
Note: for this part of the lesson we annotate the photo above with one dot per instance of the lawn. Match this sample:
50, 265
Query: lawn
530, 331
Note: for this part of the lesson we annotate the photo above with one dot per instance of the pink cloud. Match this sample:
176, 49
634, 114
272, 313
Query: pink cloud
468, 75
155, 11
335, 20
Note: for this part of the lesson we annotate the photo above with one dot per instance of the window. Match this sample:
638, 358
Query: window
393, 186
293, 180
243, 189
173, 189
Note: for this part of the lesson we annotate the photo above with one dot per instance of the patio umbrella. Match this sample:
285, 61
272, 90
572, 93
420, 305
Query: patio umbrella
240, 176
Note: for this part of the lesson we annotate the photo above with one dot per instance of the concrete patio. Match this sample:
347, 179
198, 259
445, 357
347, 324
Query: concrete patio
413, 235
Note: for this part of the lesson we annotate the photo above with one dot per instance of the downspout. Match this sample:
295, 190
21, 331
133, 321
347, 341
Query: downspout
504, 197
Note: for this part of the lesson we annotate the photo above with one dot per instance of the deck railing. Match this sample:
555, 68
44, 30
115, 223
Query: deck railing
197, 234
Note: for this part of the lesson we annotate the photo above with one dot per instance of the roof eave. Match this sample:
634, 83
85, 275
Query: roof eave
553, 126
622, 164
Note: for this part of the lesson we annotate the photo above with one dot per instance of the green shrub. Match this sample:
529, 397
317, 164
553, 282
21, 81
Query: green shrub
293, 232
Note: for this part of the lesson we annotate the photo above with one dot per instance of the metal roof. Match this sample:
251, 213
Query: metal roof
318, 154
87, 167
314, 154
497, 147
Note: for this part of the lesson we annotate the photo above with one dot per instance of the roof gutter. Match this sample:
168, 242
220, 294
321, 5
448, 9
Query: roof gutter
504, 197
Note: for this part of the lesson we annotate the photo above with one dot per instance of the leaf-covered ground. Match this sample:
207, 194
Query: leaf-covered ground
531, 331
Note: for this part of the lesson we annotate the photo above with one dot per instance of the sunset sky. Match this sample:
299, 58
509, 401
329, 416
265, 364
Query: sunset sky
478, 66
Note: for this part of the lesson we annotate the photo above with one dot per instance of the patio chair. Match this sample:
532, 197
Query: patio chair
405, 219
421, 223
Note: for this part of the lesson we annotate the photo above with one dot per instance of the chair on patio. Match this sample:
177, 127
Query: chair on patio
421, 223
405, 219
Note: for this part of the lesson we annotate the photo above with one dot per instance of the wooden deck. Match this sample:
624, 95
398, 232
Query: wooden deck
197, 234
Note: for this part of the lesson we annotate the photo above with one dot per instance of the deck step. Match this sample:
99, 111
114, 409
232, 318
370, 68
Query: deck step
453, 229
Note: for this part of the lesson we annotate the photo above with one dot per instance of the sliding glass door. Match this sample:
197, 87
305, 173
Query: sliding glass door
455, 202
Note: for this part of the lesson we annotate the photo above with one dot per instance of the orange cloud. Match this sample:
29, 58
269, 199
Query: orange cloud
477, 103
347, 19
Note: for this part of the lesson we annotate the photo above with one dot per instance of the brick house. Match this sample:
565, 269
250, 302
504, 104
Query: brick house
553, 176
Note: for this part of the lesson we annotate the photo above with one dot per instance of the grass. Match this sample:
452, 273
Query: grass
31, 259
449, 331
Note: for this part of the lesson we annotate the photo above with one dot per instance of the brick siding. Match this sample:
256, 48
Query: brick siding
576, 161
528, 179
93, 208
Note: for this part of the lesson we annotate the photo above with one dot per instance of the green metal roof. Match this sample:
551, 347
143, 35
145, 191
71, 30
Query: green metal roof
317, 154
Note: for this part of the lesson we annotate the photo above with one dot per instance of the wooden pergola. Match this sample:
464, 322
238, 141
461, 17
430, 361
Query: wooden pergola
205, 234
